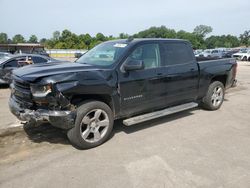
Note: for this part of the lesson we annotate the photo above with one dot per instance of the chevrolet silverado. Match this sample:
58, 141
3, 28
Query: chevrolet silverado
134, 80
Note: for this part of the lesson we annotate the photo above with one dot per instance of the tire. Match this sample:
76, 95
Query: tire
249, 59
214, 97
93, 125
244, 58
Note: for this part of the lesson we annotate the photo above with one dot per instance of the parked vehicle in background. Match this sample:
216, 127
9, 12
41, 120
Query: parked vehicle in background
212, 53
40, 51
243, 55
136, 80
4, 56
7, 66
229, 53
198, 52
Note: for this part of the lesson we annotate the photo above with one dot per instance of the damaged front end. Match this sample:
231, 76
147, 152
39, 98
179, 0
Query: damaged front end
41, 103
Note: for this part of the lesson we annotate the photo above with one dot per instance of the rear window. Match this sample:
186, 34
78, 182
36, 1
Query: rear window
38, 59
177, 53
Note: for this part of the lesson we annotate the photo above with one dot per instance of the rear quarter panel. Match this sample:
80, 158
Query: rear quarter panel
213, 68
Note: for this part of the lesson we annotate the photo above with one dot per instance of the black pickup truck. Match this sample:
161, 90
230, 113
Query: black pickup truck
135, 80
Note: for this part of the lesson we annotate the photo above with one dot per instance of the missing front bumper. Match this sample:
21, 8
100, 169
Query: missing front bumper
60, 119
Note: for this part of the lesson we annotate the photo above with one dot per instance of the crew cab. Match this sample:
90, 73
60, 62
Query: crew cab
135, 80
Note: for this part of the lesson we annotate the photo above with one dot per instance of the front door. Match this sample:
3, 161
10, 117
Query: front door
140, 89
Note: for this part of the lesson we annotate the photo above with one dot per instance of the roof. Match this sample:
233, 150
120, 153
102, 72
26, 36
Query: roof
136, 40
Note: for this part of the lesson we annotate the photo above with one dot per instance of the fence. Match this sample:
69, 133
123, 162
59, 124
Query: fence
61, 53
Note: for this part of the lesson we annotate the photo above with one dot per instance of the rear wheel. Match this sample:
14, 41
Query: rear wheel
214, 97
94, 123
244, 58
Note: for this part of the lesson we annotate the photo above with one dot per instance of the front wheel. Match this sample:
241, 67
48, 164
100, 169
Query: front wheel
214, 97
93, 125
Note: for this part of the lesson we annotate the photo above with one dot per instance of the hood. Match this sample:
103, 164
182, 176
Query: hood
240, 54
33, 72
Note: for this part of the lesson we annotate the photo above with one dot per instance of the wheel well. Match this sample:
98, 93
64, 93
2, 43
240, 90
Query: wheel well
222, 79
78, 99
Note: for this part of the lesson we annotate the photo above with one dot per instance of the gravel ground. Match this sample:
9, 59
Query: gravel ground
7, 119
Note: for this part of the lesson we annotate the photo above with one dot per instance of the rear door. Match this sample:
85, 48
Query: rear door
181, 81
140, 90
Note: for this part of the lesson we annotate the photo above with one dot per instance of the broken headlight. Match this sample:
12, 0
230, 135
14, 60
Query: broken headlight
41, 90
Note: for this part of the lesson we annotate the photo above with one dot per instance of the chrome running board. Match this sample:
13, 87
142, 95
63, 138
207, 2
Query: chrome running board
157, 114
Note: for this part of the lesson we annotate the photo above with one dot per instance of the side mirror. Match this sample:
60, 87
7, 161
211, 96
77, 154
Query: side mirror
133, 65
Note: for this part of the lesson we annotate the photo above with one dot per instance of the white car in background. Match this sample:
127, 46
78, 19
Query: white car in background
198, 52
212, 53
243, 55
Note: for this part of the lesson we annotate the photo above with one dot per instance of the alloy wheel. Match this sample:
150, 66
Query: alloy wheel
217, 96
94, 125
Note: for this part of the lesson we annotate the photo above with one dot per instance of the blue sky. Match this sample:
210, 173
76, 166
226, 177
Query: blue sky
111, 17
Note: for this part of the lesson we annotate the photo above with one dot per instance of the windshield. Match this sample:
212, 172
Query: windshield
105, 54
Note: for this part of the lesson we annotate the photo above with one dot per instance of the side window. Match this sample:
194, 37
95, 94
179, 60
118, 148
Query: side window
25, 60
38, 59
148, 53
177, 53
12, 63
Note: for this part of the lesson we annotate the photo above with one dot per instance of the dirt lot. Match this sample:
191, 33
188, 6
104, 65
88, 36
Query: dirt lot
195, 148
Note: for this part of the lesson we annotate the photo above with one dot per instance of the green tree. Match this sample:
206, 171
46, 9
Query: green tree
66, 34
49, 43
70, 39
93, 44
43, 40
123, 35
56, 35
3, 38
197, 41
87, 39
156, 32
18, 39
227, 41
60, 45
33, 39
245, 38
81, 45
202, 30
81, 42
100, 37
